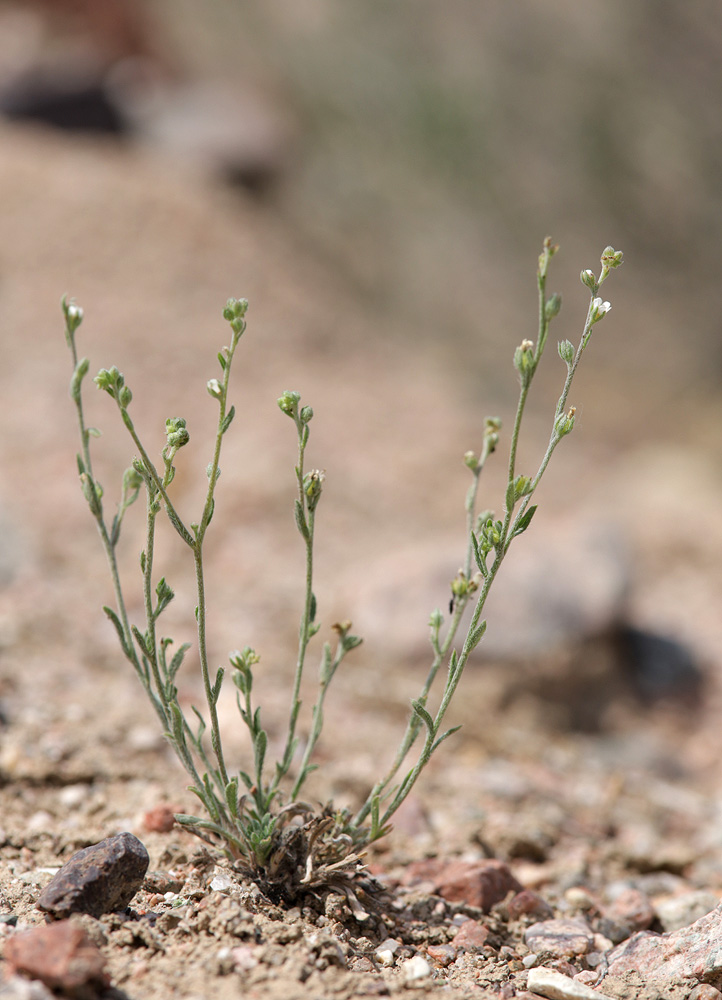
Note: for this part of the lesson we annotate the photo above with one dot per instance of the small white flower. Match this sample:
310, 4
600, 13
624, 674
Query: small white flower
599, 309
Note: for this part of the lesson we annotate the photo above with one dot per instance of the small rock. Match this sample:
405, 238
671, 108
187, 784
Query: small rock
19, 988
99, 879
704, 992
692, 953
159, 819
679, 911
633, 909
476, 883
555, 986
61, 955
162, 882
442, 954
471, 935
528, 902
415, 970
221, 882
560, 938
385, 952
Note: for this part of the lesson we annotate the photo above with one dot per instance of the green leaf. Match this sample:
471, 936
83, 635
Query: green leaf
478, 556
300, 518
424, 716
524, 521
201, 724
475, 637
222, 360
118, 628
444, 736
259, 753
227, 419
216, 689
231, 791
165, 595
312, 611
178, 659
142, 641
246, 779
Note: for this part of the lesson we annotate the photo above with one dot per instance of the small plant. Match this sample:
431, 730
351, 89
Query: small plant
258, 816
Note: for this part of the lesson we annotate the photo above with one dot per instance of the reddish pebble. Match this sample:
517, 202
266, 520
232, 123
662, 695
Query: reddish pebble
61, 955
442, 954
159, 819
471, 935
477, 883
632, 908
528, 902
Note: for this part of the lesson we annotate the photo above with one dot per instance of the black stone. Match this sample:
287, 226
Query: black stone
99, 879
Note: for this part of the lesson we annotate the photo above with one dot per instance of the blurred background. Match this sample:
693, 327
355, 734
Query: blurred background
377, 179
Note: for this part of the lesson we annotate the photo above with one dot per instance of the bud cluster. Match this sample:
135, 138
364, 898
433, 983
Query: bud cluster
113, 382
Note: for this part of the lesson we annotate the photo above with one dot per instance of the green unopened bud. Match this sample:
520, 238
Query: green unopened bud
436, 619
552, 306
306, 414
313, 486
132, 480
124, 397
566, 351
565, 423
214, 388
471, 461
176, 434
524, 360
587, 278
234, 312
522, 487
110, 380
289, 401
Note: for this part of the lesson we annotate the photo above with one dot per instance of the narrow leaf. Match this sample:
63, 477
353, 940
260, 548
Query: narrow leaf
300, 518
444, 736
118, 628
178, 659
476, 636
259, 753
227, 419
424, 716
525, 520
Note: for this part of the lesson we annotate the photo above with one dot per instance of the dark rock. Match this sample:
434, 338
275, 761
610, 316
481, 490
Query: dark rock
60, 955
477, 883
99, 879
529, 903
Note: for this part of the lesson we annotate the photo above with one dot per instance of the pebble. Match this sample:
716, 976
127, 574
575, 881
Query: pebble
632, 908
415, 970
61, 955
162, 882
471, 936
679, 911
477, 883
528, 902
442, 954
555, 986
20, 988
99, 879
222, 882
386, 951
159, 819
560, 938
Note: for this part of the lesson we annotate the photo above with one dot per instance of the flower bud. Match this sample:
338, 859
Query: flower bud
214, 388
524, 359
313, 486
565, 423
124, 397
471, 461
306, 414
175, 432
566, 351
288, 402
552, 306
587, 278
73, 314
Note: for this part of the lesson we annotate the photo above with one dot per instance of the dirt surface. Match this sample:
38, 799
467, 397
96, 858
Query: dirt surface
585, 775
